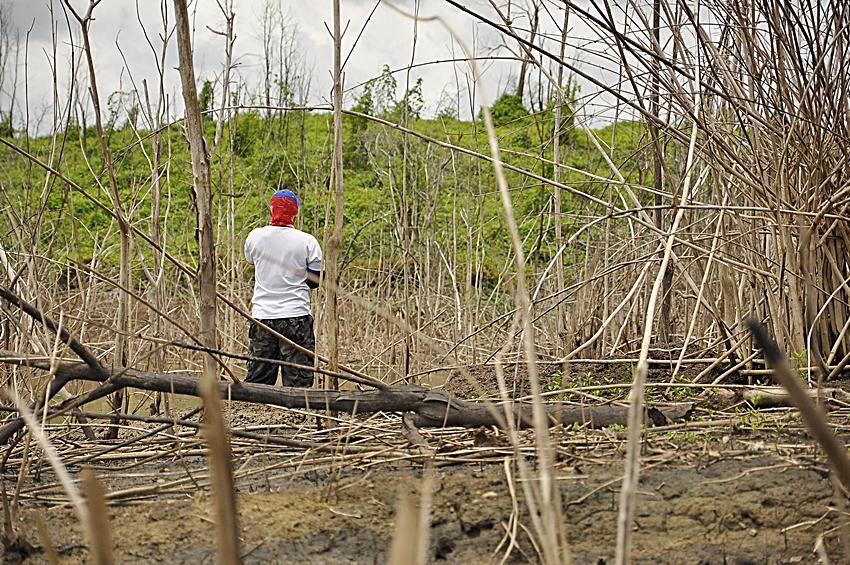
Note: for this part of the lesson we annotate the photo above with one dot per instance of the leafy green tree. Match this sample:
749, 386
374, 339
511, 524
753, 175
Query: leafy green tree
364, 105
6, 129
205, 97
414, 101
507, 108
384, 89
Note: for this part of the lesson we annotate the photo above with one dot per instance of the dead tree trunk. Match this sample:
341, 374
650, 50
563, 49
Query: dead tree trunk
220, 458
335, 240
202, 188
431, 408
523, 68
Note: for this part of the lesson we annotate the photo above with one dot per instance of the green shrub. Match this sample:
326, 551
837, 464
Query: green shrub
506, 109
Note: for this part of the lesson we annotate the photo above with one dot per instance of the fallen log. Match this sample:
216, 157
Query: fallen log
761, 397
430, 408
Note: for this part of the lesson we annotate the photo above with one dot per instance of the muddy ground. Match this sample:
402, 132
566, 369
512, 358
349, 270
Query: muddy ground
750, 490
718, 511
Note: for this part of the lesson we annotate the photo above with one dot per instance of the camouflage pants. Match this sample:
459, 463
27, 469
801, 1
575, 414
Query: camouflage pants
265, 345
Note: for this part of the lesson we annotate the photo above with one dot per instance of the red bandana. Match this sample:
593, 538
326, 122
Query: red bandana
283, 211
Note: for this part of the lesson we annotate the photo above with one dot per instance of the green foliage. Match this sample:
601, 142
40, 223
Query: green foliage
680, 393
444, 192
413, 102
6, 129
383, 91
687, 437
115, 102
205, 97
506, 109
286, 96
378, 98
753, 420
365, 105
756, 399
447, 109
555, 384
798, 360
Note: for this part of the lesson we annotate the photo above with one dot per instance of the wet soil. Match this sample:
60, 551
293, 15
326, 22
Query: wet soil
742, 494
750, 505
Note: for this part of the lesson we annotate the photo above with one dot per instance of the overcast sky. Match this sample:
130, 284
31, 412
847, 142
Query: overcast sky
123, 57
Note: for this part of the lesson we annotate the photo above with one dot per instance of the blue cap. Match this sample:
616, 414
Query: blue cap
288, 194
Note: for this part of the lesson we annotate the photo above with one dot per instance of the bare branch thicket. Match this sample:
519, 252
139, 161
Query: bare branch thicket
123, 314
742, 149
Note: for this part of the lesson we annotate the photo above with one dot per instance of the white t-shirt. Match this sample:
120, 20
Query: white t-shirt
281, 257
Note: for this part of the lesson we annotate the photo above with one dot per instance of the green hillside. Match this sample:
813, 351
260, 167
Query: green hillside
439, 192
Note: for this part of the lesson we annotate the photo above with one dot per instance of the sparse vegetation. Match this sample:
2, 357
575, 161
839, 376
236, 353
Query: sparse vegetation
552, 314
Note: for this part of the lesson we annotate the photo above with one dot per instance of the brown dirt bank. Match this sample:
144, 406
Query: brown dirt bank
742, 507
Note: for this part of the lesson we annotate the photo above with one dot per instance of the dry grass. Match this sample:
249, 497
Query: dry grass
745, 215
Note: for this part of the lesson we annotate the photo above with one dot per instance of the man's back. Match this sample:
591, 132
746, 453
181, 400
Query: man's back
281, 256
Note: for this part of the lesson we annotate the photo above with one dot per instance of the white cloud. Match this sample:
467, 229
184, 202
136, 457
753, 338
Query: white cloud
387, 39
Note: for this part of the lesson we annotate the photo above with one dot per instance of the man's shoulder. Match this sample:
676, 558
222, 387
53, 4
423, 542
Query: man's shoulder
259, 232
256, 231
281, 236
306, 236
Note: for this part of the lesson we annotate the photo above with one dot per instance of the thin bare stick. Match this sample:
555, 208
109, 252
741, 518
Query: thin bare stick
812, 416
101, 536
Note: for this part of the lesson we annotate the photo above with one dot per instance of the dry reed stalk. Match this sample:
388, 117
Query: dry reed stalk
221, 476
820, 549
522, 465
553, 542
702, 288
812, 416
101, 540
632, 466
513, 521
405, 545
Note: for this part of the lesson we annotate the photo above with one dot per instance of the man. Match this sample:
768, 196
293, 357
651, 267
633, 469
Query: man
287, 264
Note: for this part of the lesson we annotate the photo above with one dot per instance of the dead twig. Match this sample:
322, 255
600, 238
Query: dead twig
812, 416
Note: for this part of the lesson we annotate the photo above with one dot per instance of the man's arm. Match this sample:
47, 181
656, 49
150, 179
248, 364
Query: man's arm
313, 278
314, 263
248, 248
